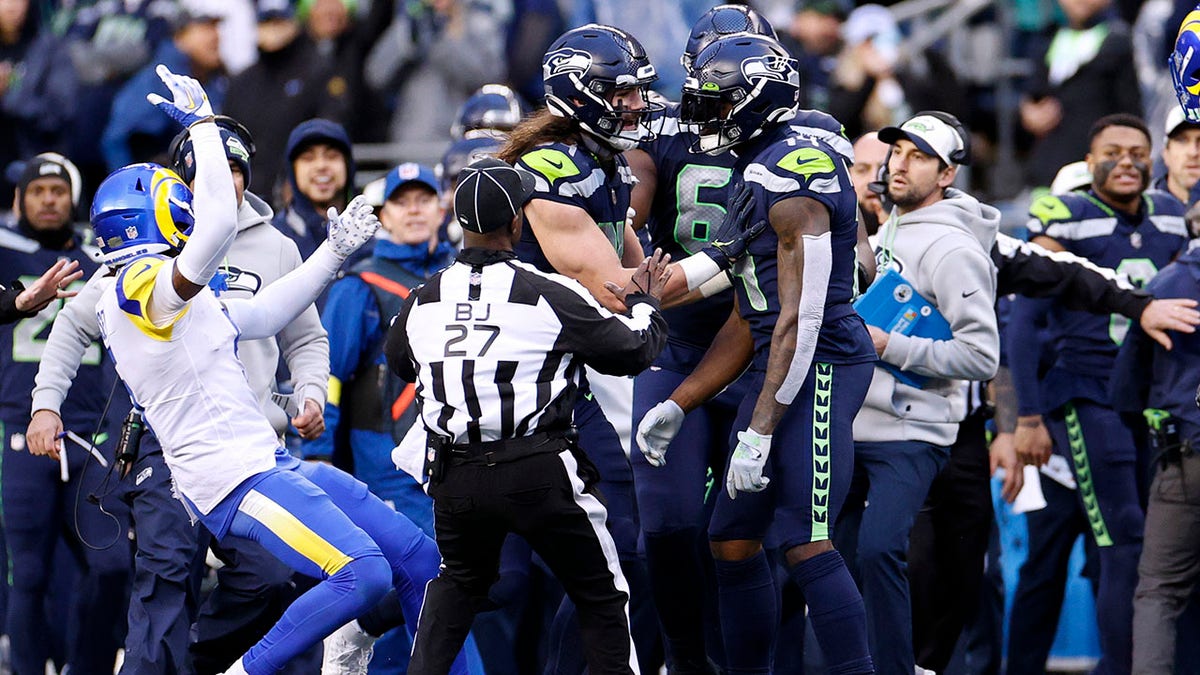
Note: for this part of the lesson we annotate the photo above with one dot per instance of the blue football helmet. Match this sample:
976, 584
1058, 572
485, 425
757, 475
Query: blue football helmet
1184, 64
738, 87
494, 108
583, 68
460, 154
141, 209
720, 21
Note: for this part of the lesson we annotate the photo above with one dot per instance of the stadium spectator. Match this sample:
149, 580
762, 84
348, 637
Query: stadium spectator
343, 35
136, 131
433, 56
292, 81
869, 155
38, 87
814, 38
1083, 71
320, 172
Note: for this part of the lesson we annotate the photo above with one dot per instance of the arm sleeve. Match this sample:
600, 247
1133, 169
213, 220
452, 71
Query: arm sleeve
277, 305
1077, 283
74, 330
965, 296
304, 343
399, 356
1025, 351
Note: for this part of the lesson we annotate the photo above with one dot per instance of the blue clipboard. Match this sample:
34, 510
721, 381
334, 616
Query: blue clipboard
892, 304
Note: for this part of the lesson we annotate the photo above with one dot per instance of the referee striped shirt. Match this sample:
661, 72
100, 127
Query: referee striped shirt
496, 347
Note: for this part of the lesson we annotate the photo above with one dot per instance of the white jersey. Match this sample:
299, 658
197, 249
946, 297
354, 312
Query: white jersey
188, 379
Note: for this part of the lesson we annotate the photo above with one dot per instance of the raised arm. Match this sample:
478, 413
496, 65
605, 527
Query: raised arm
278, 304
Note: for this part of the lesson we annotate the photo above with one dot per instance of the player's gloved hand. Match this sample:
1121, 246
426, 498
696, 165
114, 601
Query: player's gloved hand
190, 104
737, 230
746, 464
657, 429
351, 228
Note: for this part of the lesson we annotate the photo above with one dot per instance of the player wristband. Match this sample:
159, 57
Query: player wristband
698, 269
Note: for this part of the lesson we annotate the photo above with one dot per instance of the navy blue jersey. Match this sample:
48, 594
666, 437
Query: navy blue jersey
789, 165
571, 175
689, 207
1137, 246
22, 343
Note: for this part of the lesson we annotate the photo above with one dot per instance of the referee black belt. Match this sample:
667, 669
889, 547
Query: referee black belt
489, 453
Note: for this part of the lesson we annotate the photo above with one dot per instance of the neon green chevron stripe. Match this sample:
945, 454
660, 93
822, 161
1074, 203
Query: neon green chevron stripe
820, 451
1083, 476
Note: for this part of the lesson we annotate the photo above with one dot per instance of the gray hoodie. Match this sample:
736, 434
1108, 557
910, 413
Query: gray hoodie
259, 256
943, 251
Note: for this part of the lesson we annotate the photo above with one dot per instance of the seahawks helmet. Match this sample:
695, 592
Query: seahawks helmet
1184, 64
141, 209
720, 21
235, 138
581, 71
738, 87
460, 154
494, 108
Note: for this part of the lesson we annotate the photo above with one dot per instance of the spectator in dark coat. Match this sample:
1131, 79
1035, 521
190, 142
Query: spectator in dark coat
290, 83
138, 132
320, 171
1084, 71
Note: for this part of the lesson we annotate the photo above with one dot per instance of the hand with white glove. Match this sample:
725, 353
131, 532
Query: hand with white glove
190, 104
351, 228
657, 429
746, 464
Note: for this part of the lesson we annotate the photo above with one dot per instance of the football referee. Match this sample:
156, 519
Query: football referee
496, 348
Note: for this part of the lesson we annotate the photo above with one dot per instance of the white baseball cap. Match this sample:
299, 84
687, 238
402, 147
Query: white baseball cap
933, 135
1176, 119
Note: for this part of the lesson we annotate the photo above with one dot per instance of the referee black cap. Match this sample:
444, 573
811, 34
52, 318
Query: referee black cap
489, 194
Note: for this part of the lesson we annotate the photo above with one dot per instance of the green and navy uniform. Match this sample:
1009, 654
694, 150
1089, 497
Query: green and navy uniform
37, 504
687, 209
1073, 398
812, 456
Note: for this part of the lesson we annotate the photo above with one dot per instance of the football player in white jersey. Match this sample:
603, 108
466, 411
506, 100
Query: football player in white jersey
175, 346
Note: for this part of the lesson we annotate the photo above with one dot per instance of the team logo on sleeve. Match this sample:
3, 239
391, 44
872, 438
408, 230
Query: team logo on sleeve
566, 61
770, 67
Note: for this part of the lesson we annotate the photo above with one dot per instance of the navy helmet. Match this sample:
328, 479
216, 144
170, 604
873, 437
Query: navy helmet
141, 209
581, 71
460, 154
495, 108
720, 21
738, 87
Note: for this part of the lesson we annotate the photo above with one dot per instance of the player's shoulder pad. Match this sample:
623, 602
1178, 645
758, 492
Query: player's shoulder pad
15, 241
1050, 208
135, 282
555, 162
1164, 203
799, 163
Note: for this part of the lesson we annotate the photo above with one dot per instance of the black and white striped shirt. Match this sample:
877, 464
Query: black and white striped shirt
496, 347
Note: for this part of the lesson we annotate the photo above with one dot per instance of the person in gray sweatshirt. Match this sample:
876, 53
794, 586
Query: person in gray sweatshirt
159, 617
938, 238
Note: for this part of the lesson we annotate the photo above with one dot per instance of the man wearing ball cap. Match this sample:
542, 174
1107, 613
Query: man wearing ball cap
498, 349
938, 239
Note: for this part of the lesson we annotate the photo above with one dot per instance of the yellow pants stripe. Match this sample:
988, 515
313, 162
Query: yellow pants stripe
293, 532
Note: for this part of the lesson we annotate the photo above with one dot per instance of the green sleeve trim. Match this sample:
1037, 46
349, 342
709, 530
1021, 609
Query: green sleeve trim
807, 162
1049, 208
551, 163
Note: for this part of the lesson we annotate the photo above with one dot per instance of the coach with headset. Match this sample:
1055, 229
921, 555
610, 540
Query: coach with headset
498, 348
938, 239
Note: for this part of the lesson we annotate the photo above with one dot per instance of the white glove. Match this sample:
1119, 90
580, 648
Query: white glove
657, 429
191, 103
351, 228
746, 464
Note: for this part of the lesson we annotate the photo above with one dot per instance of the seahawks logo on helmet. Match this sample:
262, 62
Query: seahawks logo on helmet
770, 67
566, 61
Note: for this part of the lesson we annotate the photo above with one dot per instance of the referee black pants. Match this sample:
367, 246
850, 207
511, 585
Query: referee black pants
548, 499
